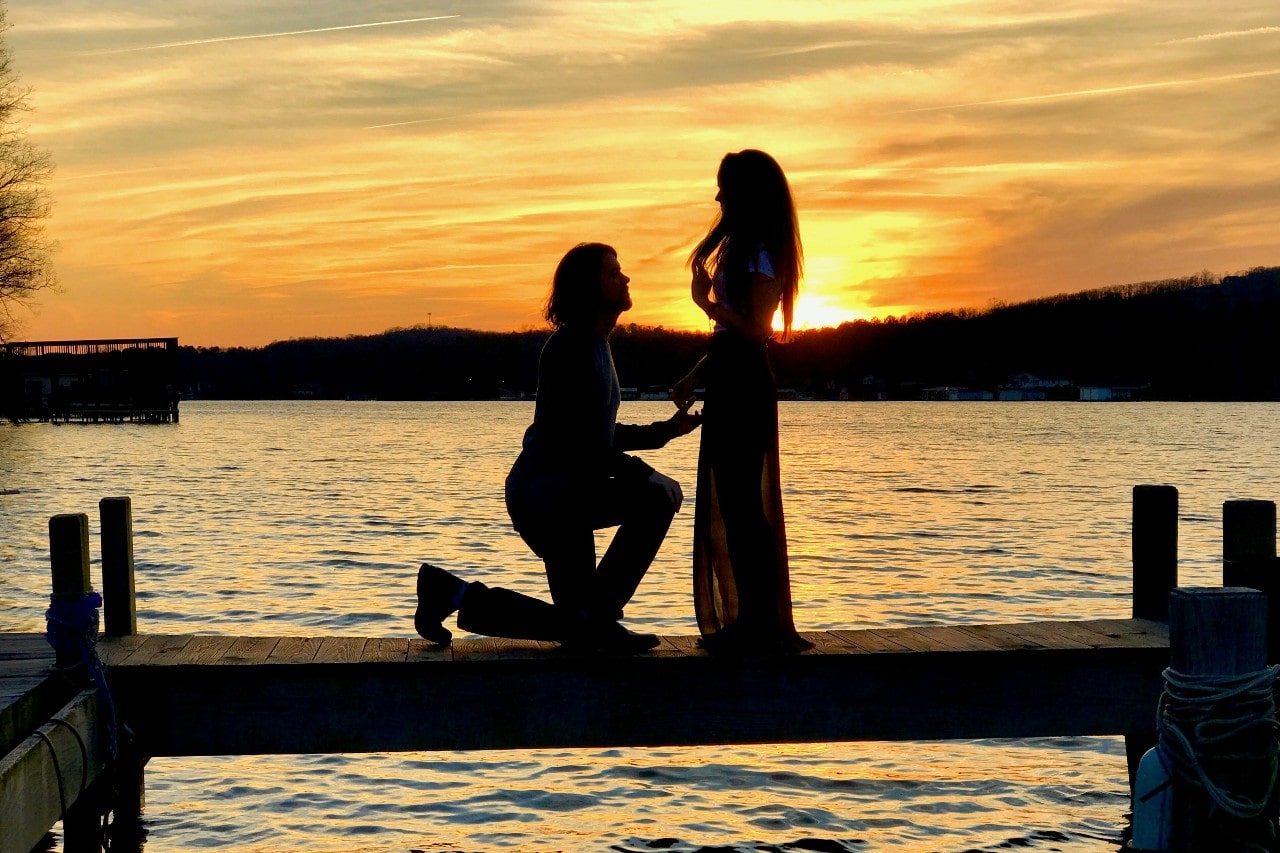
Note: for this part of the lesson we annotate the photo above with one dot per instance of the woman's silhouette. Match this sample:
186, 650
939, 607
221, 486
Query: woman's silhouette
749, 263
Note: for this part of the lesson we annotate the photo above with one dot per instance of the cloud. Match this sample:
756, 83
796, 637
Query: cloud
364, 174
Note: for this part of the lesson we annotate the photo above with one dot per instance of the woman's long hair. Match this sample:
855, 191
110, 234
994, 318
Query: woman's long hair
575, 288
757, 211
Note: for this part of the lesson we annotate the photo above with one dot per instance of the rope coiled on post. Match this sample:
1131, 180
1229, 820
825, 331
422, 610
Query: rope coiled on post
71, 623
1212, 721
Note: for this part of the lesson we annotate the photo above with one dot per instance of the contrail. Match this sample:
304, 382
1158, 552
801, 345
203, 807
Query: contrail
1227, 35
275, 35
414, 121
1110, 90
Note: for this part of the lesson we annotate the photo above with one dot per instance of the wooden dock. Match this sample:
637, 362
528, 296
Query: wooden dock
222, 695
183, 695
211, 695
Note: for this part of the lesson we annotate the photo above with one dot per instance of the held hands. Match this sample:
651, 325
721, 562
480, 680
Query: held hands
685, 421
682, 395
670, 486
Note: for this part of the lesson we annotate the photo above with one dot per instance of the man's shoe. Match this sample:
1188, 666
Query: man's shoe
437, 593
616, 639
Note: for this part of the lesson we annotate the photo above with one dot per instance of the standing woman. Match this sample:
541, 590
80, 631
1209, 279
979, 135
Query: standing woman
748, 264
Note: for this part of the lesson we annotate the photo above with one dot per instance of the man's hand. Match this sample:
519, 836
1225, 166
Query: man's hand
682, 392
685, 421
670, 486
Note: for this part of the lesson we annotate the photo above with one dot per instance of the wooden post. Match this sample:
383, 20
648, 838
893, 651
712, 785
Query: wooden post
119, 606
1155, 550
1155, 575
1249, 558
1219, 633
69, 561
120, 616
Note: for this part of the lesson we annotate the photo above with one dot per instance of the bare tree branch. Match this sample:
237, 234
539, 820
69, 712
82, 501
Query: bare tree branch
26, 265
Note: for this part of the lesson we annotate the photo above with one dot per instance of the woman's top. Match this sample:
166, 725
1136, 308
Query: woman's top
761, 262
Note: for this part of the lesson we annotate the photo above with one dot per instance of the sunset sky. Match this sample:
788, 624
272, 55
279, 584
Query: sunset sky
238, 172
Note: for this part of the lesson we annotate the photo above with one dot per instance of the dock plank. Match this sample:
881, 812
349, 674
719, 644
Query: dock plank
1001, 638
686, 645
205, 649
118, 649
420, 651
250, 650
385, 650
826, 643
1050, 635
340, 650
25, 647
157, 649
295, 650
1133, 633
872, 641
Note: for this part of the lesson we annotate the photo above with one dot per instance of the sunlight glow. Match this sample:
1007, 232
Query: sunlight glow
358, 176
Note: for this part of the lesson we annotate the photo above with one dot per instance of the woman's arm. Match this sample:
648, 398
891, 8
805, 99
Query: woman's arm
765, 293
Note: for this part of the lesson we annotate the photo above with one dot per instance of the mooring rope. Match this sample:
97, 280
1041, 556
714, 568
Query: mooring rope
72, 623
57, 773
1220, 720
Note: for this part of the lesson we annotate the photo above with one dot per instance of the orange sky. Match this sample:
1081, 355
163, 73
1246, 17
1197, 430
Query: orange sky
235, 173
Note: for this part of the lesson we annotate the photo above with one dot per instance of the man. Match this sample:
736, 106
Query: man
572, 477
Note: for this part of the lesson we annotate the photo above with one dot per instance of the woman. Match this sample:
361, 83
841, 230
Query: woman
749, 263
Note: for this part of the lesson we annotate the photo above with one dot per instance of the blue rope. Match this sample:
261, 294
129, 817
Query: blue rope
72, 624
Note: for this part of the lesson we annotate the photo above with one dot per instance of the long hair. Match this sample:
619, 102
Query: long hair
575, 288
756, 210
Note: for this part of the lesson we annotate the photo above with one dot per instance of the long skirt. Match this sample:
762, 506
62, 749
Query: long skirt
742, 588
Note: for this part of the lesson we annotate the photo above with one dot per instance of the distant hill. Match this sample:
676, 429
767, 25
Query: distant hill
1195, 338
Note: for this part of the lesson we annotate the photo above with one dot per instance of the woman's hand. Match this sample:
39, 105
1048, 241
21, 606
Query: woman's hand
700, 286
682, 392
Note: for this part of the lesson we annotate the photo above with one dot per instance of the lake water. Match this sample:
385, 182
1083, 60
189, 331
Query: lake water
310, 518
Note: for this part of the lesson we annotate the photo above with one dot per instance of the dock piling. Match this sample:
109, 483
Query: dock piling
1155, 550
1249, 558
119, 604
120, 617
1217, 647
1155, 575
69, 562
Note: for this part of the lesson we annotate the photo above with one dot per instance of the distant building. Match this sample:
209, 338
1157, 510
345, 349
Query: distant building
93, 381
1028, 386
1110, 393
950, 393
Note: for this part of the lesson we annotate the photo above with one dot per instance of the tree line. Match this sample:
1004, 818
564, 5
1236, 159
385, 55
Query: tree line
1196, 338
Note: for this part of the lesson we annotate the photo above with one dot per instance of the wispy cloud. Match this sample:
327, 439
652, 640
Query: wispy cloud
1105, 90
282, 34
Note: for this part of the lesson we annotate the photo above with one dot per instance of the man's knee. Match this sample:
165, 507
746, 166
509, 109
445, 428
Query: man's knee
659, 500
